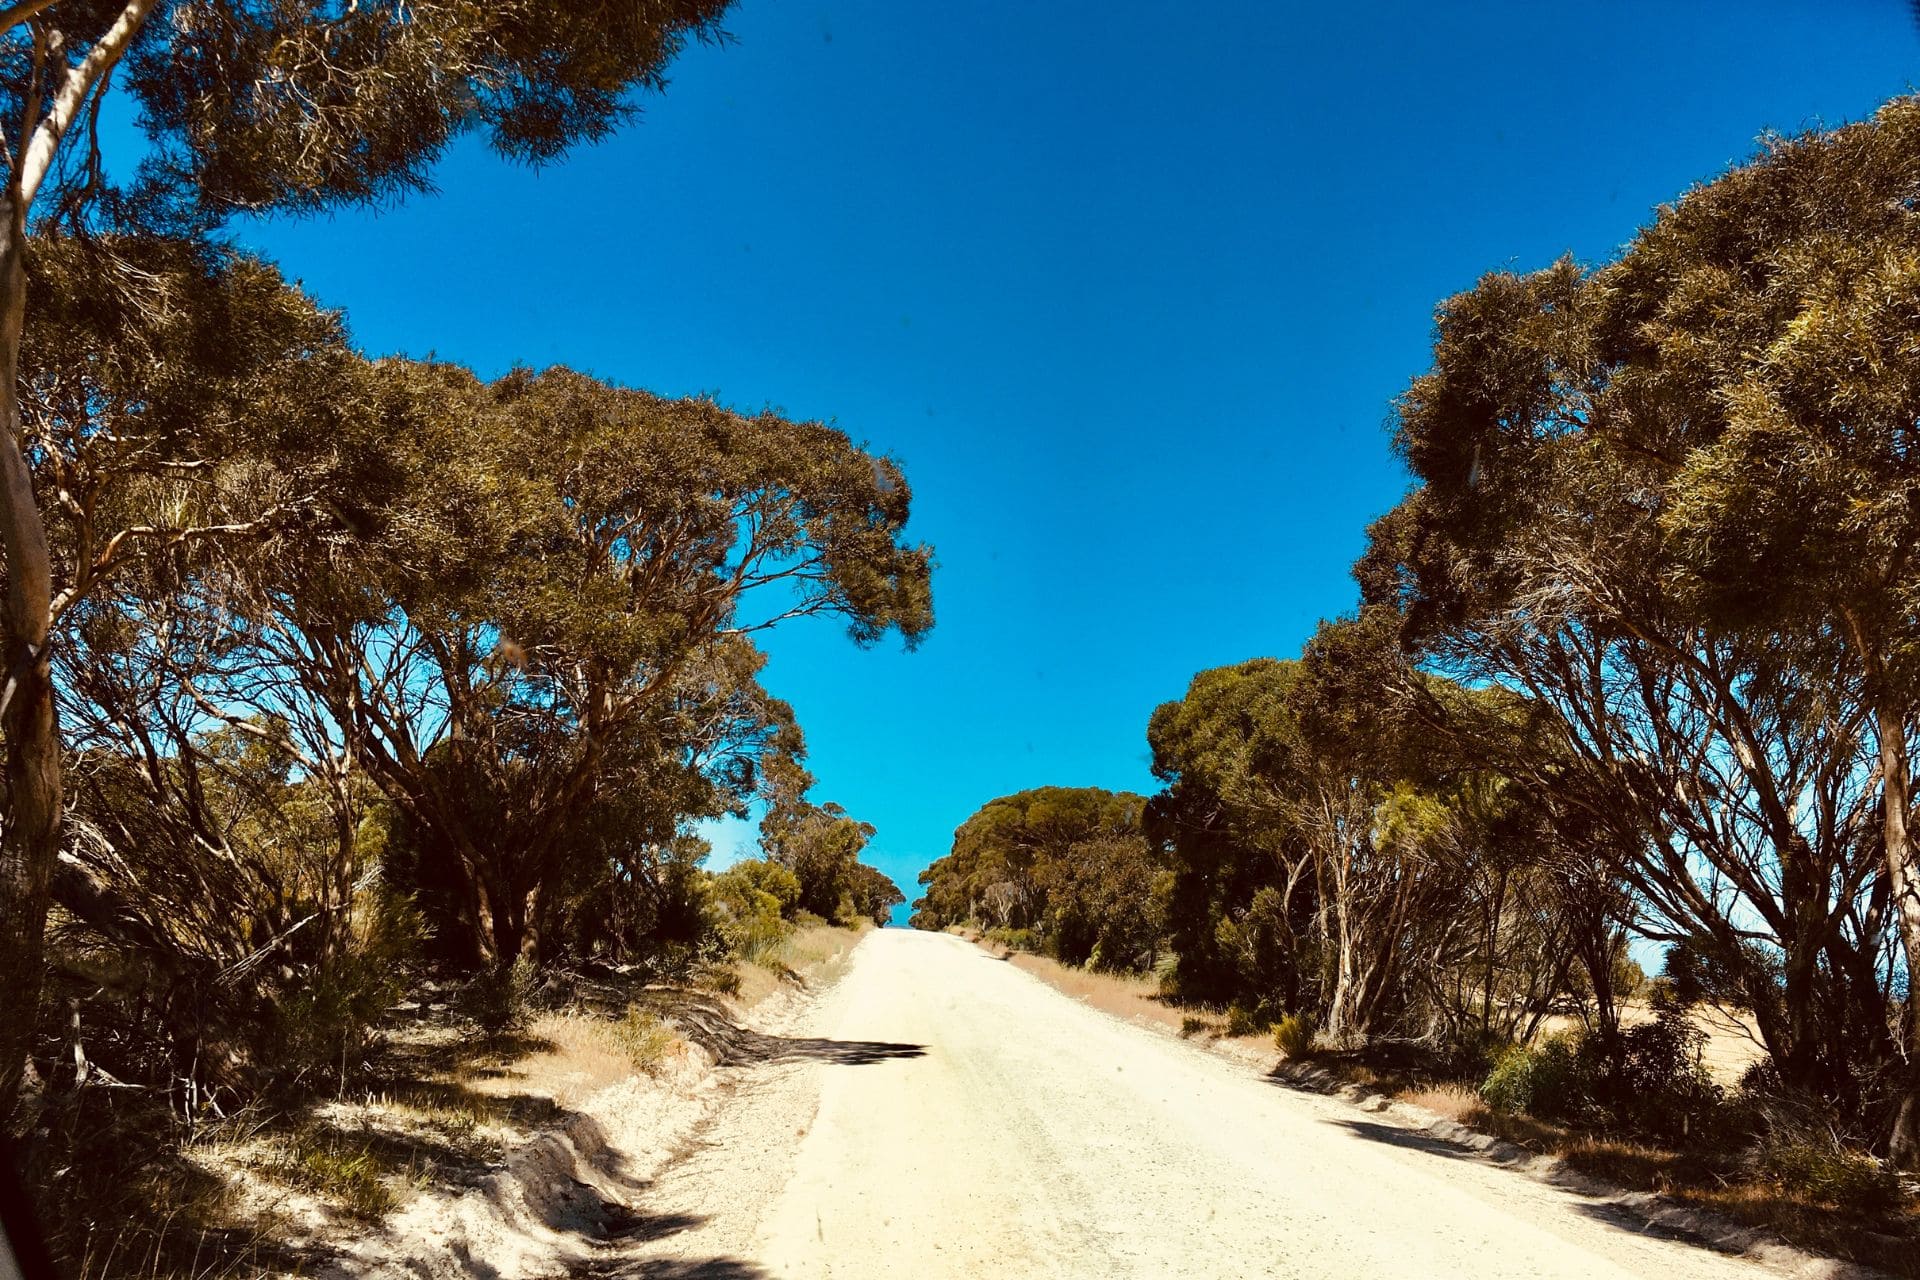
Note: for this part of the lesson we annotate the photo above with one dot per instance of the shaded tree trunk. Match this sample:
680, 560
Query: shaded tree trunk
1895, 783
31, 839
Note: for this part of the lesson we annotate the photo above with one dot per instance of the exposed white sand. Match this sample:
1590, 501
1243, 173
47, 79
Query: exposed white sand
1032, 1135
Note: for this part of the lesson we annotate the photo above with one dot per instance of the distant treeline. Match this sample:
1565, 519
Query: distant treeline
1638, 655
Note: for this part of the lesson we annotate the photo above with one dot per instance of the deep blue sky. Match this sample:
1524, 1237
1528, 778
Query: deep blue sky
1128, 289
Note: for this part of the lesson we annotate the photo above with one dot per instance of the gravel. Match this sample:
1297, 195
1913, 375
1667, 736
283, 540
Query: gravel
941, 1113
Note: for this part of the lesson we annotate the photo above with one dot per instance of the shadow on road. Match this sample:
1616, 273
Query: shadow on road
1627, 1219
672, 1269
1394, 1136
1630, 1218
707, 1022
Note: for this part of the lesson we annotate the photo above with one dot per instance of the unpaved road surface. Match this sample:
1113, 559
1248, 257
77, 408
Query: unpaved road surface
944, 1114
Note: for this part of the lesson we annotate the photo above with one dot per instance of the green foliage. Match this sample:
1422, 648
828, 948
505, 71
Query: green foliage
251, 108
819, 843
1552, 1080
1103, 907
1831, 1173
1660, 1087
1246, 1020
751, 898
1651, 1084
1014, 939
1294, 1035
874, 894
326, 1025
763, 875
501, 999
1672, 497
344, 1170
1066, 864
318, 615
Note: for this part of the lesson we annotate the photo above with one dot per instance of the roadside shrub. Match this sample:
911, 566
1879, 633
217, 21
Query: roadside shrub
1551, 1080
750, 902
1827, 1172
1245, 1021
502, 1000
327, 1025
1472, 1053
1652, 1086
764, 875
1293, 1035
1014, 939
1660, 1089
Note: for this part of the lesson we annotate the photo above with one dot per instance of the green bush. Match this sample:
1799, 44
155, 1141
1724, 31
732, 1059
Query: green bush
1472, 1052
1551, 1080
502, 999
751, 900
764, 875
1827, 1172
327, 1025
1245, 1021
1652, 1085
1014, 939
1293, 1035
1659, 1087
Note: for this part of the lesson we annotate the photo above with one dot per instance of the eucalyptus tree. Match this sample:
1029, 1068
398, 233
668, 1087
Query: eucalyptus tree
1338, 849
1669, 500
1015, 852
564, 593
874, 893
819, 843
1242, 900
174, 398
1772, 313
249, 105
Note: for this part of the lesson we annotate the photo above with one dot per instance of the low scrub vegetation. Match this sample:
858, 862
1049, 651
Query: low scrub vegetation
1294, 1035
649, 1042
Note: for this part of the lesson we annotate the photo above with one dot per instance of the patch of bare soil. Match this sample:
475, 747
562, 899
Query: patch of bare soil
523, 1154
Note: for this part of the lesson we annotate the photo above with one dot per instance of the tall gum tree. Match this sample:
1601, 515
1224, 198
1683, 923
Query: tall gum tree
1672, 499
249, 105
564, 558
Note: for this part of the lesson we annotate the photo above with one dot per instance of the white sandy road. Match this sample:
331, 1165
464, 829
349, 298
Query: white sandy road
1028, 1134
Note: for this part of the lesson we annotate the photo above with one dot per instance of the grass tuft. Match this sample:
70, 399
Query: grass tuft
648, 1042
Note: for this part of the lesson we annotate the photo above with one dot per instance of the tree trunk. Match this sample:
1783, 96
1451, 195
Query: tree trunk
31, 838
1895, 788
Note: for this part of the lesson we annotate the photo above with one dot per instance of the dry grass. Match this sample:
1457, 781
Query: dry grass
1726, 1184
571, 1055
447, 1106
1137, 998
1456, 1102
813, 953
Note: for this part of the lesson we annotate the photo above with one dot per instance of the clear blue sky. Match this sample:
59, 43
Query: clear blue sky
1127, 289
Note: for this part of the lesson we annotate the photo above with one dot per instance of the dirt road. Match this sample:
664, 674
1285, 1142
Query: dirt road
944, 1114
